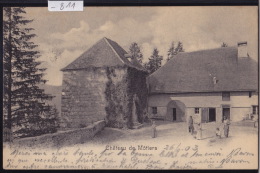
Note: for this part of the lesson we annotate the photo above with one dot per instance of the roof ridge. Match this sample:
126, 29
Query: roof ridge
103, 52
113, 49
208, 49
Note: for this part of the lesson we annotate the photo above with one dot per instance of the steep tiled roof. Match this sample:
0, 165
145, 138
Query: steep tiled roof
104, 53
194, 72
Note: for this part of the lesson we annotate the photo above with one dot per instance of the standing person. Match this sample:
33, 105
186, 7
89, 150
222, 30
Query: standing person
191, 127
199, 132
256, 122
226, 126
154, 132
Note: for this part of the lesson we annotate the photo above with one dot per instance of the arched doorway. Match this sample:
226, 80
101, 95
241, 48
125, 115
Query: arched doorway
176, 111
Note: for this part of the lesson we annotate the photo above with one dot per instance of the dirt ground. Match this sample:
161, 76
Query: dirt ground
239, 150
168, 132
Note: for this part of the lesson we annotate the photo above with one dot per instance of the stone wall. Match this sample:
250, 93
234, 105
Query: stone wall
109, 93
83, 100
60, 139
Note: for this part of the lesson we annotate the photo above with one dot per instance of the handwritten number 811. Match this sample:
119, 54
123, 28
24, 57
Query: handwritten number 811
69, 5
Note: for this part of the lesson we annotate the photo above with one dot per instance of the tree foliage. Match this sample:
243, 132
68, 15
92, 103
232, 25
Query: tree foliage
174, 50
155, 61
25, 104
135, 52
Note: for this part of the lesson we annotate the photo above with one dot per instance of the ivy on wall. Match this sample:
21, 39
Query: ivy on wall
120, 97
137, 86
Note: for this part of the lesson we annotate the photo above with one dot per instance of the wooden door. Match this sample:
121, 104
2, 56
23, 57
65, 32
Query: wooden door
204, 115
174, 114
226, 113
212, 114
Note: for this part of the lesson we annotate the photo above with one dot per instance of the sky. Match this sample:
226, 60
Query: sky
64, 36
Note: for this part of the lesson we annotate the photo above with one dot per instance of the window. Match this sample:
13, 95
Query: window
255, 110
226, 96
250, 94
197, 110
154, 110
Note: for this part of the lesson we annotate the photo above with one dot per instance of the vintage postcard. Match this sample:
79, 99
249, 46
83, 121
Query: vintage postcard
131, 88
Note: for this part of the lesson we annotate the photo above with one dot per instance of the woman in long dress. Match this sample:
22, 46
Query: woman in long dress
226, 127
154, 132
199, 131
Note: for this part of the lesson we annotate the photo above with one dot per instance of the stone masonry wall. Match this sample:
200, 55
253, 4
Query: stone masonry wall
60, 139
83, 96
83, 100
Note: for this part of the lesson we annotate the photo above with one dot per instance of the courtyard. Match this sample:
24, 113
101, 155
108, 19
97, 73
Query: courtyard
173, 148
169, 132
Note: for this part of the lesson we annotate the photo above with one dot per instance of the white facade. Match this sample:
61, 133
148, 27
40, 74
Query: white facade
209, 106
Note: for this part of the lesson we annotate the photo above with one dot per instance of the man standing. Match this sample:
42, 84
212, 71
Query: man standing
191, 127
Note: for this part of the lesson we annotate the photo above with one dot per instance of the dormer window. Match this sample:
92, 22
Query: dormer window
226, 96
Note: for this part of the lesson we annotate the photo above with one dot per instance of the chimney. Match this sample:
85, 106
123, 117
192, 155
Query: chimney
242, 49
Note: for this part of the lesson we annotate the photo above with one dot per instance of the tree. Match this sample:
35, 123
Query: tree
24, 102
135, 52
155, 62
224, 44
173, 51
179, 48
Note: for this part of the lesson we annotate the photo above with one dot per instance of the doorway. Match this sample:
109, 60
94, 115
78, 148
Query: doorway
174, 116
226, 113
212, 114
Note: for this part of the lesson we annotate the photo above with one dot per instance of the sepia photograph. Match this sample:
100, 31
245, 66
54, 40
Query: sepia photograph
148, 87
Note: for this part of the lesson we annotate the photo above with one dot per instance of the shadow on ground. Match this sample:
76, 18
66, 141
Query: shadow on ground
108, 135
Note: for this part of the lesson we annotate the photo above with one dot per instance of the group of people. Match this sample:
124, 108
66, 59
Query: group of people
197, 132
